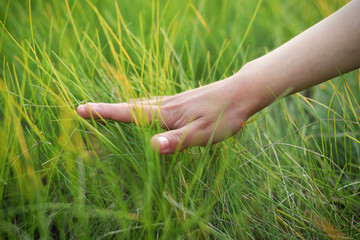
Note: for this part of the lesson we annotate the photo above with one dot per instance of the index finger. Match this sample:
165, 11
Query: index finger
122, 112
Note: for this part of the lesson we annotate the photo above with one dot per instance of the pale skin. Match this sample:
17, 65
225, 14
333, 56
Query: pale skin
324, 51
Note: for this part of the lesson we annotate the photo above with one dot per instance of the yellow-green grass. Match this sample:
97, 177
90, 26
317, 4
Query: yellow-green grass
293, 172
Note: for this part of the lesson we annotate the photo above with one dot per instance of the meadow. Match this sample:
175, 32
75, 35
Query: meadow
292, 172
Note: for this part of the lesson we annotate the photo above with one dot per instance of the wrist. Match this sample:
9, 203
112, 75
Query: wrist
251, 88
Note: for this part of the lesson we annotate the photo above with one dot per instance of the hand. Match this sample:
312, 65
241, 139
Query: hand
212, 113
200, 116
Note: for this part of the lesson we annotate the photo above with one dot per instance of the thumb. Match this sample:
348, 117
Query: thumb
174, 140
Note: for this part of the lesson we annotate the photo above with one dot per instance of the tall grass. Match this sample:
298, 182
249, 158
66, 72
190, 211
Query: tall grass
294, 172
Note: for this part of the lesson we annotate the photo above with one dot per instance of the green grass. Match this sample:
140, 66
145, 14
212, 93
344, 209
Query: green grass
292, 173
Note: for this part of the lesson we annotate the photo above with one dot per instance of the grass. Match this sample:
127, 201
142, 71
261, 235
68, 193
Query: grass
292, 173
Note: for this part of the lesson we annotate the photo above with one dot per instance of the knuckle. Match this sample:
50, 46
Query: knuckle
172, 115
204, 125
171, 108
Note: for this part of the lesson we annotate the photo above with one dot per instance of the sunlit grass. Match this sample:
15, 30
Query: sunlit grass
292, 172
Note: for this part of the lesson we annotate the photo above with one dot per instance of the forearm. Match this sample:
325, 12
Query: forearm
324, 51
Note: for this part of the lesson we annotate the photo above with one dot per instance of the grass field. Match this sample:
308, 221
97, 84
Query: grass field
292, 173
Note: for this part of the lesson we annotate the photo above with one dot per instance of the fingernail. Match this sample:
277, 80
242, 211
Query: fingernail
80, 108
163, 144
